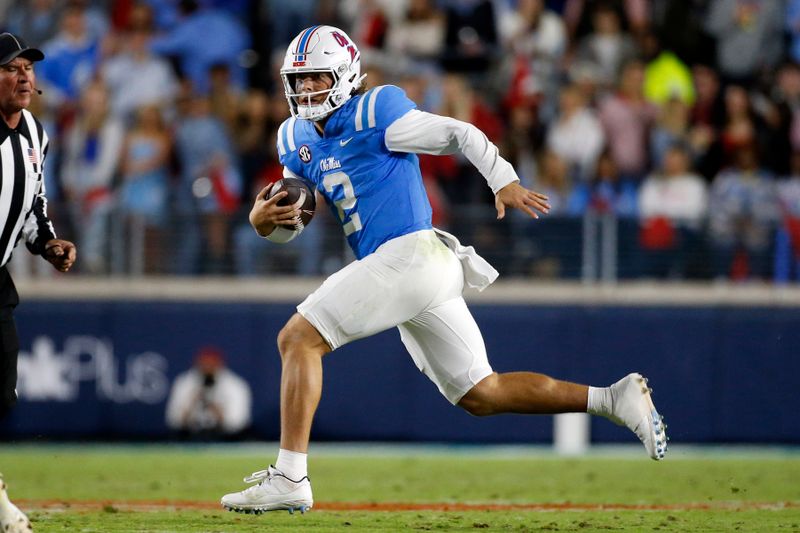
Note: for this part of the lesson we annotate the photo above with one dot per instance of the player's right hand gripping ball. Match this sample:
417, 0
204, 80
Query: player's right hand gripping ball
300, 195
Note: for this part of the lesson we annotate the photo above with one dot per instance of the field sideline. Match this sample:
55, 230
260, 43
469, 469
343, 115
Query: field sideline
164, 488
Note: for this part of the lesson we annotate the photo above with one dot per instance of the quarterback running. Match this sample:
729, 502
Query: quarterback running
357, 148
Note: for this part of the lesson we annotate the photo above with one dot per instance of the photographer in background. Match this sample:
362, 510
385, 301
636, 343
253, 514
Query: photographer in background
209, 401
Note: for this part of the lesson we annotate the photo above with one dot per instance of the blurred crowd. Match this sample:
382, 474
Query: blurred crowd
679, 121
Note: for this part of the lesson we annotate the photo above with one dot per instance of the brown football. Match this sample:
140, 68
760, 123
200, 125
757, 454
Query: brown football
300, 194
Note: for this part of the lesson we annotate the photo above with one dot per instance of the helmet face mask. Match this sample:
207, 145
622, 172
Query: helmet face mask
321, 49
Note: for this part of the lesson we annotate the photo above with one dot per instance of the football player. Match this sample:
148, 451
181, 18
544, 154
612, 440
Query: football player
358, 149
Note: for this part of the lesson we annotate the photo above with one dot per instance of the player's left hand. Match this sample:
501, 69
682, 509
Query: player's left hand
515, 195
60, 253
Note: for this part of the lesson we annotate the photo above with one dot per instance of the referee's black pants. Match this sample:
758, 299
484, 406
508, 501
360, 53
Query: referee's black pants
9, 342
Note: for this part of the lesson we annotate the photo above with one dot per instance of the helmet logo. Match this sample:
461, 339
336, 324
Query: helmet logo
298, 63
344, 43
304, 153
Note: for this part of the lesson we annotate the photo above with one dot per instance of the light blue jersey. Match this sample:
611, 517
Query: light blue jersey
376, 194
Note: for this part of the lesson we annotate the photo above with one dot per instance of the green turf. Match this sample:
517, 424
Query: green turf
694, 521
727, 484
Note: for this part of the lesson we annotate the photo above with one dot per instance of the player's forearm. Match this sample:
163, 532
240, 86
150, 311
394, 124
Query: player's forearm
425, 133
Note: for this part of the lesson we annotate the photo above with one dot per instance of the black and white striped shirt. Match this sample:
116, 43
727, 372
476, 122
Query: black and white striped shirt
23, 206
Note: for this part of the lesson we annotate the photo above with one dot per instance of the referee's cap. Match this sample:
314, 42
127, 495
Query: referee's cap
12, 47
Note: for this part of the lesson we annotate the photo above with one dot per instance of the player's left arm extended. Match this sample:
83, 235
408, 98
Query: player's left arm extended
425, 133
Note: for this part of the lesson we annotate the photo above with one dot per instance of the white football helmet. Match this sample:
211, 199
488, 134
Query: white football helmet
321, 49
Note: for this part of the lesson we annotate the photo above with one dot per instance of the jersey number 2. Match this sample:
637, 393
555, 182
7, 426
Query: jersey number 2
348, 202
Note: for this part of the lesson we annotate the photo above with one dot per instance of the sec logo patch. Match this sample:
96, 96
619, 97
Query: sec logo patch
304, 153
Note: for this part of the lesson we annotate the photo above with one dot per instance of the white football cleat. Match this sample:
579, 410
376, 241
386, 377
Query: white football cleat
633, 407
273, 492
12, 520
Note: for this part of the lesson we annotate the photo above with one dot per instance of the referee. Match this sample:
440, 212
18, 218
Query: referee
23, 206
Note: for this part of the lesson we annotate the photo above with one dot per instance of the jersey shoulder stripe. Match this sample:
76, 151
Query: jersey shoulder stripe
380, 106
286, 136
368, 101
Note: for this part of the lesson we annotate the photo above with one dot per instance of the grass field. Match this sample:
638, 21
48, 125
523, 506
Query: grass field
173, 489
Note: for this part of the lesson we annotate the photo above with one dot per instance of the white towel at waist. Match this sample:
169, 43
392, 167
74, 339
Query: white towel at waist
478, 273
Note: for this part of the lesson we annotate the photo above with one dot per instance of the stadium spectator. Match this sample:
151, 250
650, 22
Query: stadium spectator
165, 14
743, 210
747, 37
671, 128
204, 37
370, 20
610, 191
225, 98
36, 19
608, 47
626, 118
92, 149
673, 205
579, 15
576, 136
773, 107
739, 129
419, 34
73, 56
143, 192
288, 18
131, 15
708, 108
208, 191
706, 117
786, 95
470, 35
536, 40
136, 78
519, 144
666, 77
209, 401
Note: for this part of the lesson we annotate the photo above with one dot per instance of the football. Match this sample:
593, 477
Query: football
299, 194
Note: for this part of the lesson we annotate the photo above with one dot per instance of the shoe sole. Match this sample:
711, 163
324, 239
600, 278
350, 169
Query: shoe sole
659, 428
261, 509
